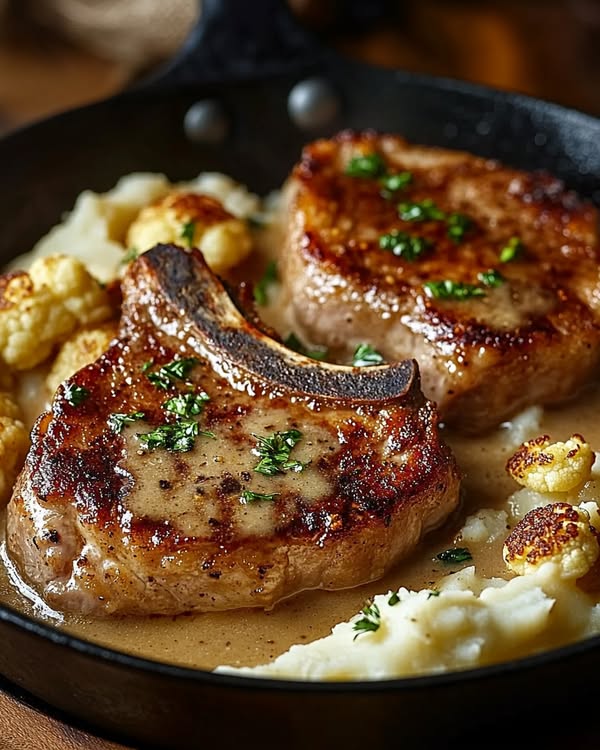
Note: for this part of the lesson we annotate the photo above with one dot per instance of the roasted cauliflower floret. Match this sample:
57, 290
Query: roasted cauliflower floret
560, 533
41, 308
192, 220
543, 466
80, 349
14, 442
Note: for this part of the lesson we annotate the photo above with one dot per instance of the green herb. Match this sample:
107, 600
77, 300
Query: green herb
491, 278
393, 183
455, 555
424, 211
130, 255
116, 422
251, 497
394, 599
178, 437
188, 231
404, 245
447, 289
293, 342
513, 249
368, 165
147, 365
75, 394
275, 452
169, 373
370, 622
269, 277
365, 355
458, 225
433, 592
186, 404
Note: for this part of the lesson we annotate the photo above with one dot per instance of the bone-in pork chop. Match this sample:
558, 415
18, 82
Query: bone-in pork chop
199, 465
487, 276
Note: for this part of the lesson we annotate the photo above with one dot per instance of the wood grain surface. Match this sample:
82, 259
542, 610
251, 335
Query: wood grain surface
541, 48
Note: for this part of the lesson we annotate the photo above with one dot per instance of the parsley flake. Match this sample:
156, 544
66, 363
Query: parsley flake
275, 452
293, 342
188, 231
393, 183
186, 404
513, 250
130, 255
367, 165
491, 278
268, 278
75, 394
365, 356
248, 496
433, 592
455, 555
447, 289
404, 245
116, 422
425, 210
178, 437
394, 599
371, 621
165, 376
458, 225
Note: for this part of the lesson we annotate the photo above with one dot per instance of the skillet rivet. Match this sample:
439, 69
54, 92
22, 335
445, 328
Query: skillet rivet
206, 122
313, 103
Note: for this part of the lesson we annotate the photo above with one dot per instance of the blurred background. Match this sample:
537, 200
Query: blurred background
55, 54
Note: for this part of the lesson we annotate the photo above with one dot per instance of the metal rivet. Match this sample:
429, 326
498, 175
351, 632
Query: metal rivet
206, 122
313, 103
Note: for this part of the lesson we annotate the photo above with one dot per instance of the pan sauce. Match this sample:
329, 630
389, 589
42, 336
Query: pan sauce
251, 637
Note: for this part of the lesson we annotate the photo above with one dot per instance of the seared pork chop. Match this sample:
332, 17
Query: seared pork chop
487, 276
199, 465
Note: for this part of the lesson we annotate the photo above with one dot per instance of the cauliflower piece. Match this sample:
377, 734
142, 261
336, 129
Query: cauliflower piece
79, 350
40, 309
14, 443
552, 467
559, 533
193, 220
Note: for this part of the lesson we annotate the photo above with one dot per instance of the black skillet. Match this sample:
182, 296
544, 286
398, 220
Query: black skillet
239, 67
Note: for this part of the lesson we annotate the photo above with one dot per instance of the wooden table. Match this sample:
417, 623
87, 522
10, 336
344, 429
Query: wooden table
535, 47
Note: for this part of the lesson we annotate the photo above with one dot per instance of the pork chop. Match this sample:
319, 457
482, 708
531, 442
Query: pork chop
200, 465
487, 276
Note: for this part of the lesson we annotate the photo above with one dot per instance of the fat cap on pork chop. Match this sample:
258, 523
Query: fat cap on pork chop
160, 509
489, 277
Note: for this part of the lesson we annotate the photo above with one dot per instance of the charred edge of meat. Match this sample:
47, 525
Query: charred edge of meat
186, 283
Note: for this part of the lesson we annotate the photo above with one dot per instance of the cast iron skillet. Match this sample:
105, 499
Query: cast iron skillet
244, 59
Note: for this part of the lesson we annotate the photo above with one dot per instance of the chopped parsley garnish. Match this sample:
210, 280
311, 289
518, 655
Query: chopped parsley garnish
178, 437
186, 404
433, 592
393, 183
165, 376
260, 289
491, 278
455, 555
188, 231
248, 496
147, 365
394, 599
293, 342
404, 245
458, 225
116, 422
513, 249
365, 356
370, 621
447, 289
75, 394
130, 255
368, 165
275, 452
426, 210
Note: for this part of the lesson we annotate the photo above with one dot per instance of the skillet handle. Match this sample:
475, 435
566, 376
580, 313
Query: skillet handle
238, 39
